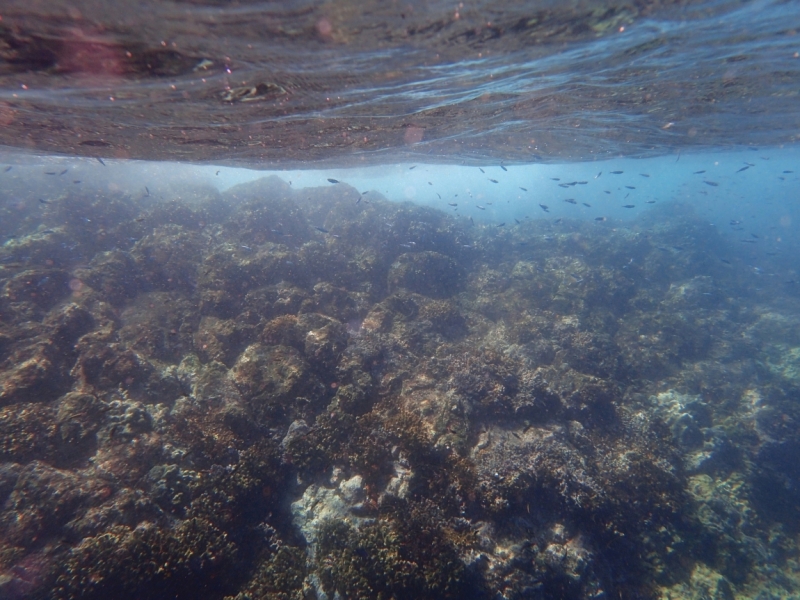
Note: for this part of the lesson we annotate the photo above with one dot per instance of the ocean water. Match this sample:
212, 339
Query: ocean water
374, 300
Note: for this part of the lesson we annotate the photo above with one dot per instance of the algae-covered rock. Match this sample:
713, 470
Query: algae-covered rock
427, 273
285, 394
276, 382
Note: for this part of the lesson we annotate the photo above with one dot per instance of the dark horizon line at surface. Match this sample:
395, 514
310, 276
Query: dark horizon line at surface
345, 84
392, 156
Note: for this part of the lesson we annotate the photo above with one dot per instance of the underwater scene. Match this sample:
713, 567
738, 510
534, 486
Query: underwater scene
329, 301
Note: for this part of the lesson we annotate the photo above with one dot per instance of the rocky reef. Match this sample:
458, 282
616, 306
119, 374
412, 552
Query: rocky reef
283, 394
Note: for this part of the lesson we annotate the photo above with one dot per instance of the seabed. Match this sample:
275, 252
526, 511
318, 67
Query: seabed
268, 393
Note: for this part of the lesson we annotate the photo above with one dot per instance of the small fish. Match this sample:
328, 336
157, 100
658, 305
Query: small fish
644, 174
557, 221
556, 178
617, 172
502, 225
479, 207
649, 201
438, 194
64, 171
517, 221
563, 185
754, 235
630, 187
743, 169
217, 172
412, 168
711, 183
358, 201
545, 208
570, 200
8, 168
581, 182
606, 191
333, 180
516, 435
43, 201
698, 172
523, 189
429, 183
502, 167
50, 173
628, 206
100, 160
321, 229
727, 262
76, 181
576, 278
248, 248
147, 190
452, 203
482, 171
748, 241
586, 204
749, 164
493, 180
598, 175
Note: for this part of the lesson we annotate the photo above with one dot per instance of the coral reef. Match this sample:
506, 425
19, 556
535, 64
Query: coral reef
280, 394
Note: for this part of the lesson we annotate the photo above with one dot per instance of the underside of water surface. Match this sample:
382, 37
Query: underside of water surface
352, 83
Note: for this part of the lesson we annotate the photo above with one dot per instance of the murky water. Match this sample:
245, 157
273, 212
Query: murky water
421, 300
